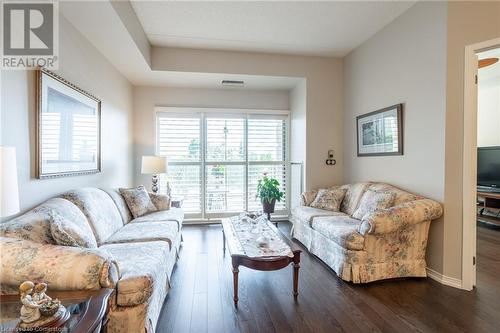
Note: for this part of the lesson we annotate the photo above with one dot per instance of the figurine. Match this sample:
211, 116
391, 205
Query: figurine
38, 310
30, 311
39, 295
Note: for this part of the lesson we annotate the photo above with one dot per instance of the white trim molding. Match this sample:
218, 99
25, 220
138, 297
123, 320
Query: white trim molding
469, 162
443, 279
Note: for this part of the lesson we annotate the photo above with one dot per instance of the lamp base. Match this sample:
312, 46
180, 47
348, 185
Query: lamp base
154, 186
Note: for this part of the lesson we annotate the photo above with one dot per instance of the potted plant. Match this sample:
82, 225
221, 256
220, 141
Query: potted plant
269, 192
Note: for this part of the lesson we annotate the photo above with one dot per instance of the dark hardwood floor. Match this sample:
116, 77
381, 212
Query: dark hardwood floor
201, 296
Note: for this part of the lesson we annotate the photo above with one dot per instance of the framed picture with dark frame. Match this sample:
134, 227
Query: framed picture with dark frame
68, 124
380, 133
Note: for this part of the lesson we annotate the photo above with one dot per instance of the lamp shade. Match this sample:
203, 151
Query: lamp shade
8, 181
153, 165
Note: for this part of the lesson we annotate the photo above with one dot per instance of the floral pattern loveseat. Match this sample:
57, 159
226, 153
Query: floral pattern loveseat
383, 244
134, 256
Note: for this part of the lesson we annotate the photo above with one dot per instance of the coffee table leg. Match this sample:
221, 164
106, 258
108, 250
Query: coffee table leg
235, 284
296, 266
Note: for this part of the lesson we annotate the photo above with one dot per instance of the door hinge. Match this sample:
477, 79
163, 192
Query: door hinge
474, 260
475, 79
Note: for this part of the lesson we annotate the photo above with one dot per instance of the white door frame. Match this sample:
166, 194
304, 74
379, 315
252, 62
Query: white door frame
469, 163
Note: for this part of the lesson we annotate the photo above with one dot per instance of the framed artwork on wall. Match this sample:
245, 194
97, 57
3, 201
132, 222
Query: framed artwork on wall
68, 128
380, 133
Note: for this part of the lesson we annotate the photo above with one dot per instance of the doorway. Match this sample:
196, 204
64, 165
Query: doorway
481, 175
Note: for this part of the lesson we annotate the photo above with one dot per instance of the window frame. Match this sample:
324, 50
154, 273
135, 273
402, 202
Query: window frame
203, 113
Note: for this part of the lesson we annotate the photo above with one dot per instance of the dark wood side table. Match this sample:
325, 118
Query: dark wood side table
489, 201
263, 263
89, 311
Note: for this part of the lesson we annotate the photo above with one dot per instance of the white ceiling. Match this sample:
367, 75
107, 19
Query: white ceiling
331, 28
115, 43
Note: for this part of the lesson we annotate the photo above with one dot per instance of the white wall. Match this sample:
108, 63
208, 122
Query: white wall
488, 118
469, 22
323, 95
403, 63
298, 122
146, 98
83, 65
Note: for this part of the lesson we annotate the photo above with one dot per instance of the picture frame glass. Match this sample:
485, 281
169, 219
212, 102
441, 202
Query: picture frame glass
379, 132
68, 129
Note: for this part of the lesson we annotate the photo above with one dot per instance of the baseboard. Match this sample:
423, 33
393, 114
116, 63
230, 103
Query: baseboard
443, 279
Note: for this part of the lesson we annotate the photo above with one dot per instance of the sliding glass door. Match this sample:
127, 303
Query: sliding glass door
216, 158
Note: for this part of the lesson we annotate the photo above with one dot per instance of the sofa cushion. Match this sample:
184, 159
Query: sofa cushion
373, 200
61, 267
160, 201
329, 199
100, 210
340, 229
141, 265
120, 203
67, 233
138, 200
352, 197
307, 197
400, 195
306, 213
35, 224
173, 214
146, 232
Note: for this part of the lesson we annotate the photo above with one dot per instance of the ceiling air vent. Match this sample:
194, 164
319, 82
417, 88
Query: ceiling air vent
233, 83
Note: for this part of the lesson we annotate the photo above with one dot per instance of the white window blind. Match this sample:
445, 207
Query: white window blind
266, 154
216, 159
178, 138
225, 161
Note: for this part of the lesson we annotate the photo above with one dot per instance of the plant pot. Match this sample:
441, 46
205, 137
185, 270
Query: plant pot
268, 207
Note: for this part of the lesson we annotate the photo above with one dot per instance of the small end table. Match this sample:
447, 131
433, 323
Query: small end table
89, 311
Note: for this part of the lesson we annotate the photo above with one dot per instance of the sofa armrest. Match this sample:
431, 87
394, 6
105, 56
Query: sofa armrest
161, 201
61, 267
307, 197
399, 217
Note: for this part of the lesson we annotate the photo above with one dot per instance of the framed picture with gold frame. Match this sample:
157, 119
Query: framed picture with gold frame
68, 124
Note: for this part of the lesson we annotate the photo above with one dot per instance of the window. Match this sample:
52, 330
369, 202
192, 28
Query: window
178, 138
216, 158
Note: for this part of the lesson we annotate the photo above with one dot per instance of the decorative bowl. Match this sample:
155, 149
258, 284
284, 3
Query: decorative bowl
50, 308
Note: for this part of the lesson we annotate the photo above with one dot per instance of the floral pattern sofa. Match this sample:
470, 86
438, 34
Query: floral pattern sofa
386, 243
134, 256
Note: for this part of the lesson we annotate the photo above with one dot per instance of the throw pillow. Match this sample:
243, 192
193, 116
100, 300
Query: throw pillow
161, 201
308, 197
138, 201
373, 200
66, 233
329, 199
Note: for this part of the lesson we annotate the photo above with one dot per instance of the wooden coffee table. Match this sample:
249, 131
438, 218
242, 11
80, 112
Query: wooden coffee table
244, 250
89, 311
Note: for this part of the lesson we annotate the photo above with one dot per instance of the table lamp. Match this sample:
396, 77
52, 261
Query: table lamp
8, 181
154, 165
